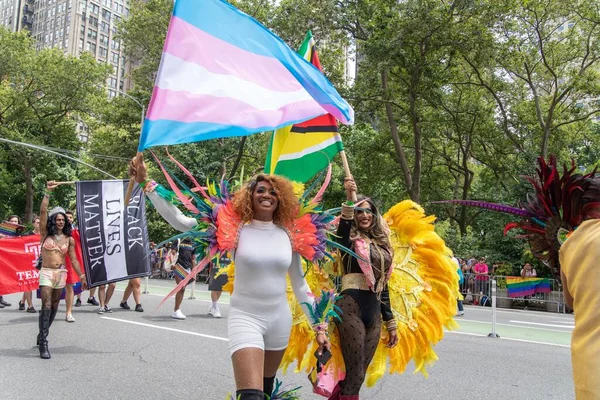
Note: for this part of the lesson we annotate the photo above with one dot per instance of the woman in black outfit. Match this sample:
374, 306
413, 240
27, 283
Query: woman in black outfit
365, 298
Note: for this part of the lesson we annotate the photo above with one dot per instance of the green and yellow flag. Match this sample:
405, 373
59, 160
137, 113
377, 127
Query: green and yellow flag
300, 151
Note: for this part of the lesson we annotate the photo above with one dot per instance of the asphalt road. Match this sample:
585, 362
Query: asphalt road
130, 355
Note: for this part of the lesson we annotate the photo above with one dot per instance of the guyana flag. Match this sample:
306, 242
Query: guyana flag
300, 151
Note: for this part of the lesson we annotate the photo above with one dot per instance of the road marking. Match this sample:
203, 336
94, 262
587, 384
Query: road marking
511, 339
167, 329
513, 326
540, 324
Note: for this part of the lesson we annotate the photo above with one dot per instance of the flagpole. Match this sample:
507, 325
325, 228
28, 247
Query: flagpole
347, 171
137, 157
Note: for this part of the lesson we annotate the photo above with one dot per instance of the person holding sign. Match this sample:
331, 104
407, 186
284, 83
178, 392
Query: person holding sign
259, 320
57, 244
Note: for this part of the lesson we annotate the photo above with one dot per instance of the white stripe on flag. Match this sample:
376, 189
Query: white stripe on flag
179, 75
311, 149
114, 232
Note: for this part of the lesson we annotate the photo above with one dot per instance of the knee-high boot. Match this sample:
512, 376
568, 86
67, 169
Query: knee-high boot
52, 316
249, 394
350, 397
44, 328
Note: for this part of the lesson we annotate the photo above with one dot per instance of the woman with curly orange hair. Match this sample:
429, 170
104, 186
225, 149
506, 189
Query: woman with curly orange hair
259, 320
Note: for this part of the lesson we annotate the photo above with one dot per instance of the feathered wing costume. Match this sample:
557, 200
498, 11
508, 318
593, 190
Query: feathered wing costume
423, 284
554, 210
423, 287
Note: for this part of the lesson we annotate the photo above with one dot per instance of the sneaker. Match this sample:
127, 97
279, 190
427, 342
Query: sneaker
4, 303
216, 312
93, 301
460, 314
69, 318
101, 310
107, 309
1, 305
125, 306
178, 315
210, 310
31, 310
139, 308
78, 302
21, 306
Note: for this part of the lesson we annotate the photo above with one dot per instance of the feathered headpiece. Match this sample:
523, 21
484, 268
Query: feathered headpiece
56, 210
555, 209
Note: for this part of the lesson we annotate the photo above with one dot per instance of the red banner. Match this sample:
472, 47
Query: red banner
17, 263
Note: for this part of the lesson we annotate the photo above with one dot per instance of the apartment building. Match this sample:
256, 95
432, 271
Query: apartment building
78, 26
16, 14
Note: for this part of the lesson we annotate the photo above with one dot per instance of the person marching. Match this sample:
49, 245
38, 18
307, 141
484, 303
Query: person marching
260, 320
56, 244
364, 295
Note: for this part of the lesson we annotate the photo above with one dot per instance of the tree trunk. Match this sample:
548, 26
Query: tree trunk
400, 154
28, 217
415, 189
545, 140
238, 159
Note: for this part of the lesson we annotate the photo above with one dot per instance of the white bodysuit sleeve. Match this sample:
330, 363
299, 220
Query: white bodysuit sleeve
172, 214
301, 289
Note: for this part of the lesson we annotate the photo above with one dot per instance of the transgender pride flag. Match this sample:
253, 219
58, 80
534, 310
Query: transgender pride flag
223, 74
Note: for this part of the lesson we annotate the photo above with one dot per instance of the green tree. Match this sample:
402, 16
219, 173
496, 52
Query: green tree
42, 93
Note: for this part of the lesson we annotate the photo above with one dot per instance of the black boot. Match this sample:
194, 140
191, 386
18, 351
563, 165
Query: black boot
53, 312
249, 394
268, 387
44, 328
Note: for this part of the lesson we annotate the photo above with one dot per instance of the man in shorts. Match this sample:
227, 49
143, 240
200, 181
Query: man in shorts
216, 283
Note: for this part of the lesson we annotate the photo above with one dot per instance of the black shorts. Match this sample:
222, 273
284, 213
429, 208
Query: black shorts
215, 284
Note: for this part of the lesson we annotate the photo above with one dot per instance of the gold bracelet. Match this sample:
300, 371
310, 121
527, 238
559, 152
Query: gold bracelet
347, 211
391, 325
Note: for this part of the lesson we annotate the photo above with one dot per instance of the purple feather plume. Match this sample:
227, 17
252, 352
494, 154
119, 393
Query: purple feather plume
490, 206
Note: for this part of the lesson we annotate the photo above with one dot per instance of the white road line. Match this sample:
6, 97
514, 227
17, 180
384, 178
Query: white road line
168, 329
513, 326
511, 339
540, 324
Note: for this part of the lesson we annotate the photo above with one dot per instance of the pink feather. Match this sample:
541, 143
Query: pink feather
203, 263
184, 200
319, 195
188, 173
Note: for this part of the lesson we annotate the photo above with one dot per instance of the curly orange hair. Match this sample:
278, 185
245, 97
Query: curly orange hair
287, 208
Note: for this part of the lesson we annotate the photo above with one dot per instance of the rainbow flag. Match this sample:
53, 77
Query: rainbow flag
12, 230
223, 74
300, 151
519, 287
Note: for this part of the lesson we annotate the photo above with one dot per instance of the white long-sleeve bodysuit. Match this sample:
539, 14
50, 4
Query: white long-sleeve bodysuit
259, 314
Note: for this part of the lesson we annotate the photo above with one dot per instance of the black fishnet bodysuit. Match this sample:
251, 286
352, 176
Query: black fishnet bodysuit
360, 327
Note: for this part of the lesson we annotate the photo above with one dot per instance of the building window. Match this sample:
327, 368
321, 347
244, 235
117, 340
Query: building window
114, 57
82, 30
91, 47
104, 26
106, 14
92, 34
95, 8
93, 21
104, 40
115, 45
81, 43
107, 3
103, 52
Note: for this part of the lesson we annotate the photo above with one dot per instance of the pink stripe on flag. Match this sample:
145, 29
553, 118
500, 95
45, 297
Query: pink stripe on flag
191, 44
188, 107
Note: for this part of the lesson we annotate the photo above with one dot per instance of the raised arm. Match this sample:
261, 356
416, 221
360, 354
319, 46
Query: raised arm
50, 186
171, 214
